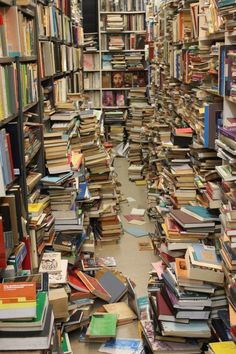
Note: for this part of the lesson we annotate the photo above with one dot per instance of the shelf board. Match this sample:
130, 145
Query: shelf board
29, 106
7, 60
26, 11
6, 2
118, 88
27, 59
122, 51
115, 107
92, 71
123, 70
92, 89
122, 12
8, 119
123, 32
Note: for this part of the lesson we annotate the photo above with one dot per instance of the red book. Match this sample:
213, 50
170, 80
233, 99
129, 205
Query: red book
164, 312
3, 258
77, 284
26, 264
93, 285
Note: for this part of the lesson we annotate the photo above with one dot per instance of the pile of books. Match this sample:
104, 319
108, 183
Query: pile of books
26, 317
90, 42
186, 293
134, 61
104, 201
116, 43
114, 23
135, 172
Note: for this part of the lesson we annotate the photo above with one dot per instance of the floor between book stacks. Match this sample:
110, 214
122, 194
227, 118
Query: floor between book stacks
130, 260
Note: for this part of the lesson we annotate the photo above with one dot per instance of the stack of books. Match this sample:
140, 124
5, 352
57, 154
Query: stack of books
184, 186
28, 322
118, 61
134, 61
116, 43
90, 42
135, 172
114, 23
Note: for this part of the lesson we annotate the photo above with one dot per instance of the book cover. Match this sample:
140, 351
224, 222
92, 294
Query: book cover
103, 325
107, 99
120, 99
94, 286
51, 262
117, 79
113, 286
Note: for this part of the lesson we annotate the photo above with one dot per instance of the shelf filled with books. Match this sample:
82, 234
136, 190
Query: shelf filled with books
123, 66
191, 162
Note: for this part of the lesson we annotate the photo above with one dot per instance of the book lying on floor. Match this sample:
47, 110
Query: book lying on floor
102, 326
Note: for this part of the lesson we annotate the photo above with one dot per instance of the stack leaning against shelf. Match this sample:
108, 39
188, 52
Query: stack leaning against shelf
104, 200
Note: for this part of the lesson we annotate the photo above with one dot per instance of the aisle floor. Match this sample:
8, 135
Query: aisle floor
130, 261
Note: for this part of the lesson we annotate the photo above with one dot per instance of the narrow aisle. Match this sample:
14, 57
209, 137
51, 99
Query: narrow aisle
130, 261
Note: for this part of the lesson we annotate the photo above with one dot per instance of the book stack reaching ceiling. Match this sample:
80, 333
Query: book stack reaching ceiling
190, 175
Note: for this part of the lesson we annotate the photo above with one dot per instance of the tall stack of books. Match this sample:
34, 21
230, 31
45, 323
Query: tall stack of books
103, 202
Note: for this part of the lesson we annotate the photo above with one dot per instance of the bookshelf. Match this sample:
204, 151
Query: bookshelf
122, 48
192, 56
100, 65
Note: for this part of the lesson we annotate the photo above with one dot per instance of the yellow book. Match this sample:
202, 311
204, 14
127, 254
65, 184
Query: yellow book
35, 207
19, 305
228, 347
140, 183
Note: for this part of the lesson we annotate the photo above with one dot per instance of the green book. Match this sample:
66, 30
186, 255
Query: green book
65, 344
103, 325
35, 324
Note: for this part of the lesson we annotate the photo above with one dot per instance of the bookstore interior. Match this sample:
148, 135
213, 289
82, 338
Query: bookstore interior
118, 176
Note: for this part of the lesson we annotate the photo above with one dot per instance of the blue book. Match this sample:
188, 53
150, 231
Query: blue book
83, 192
204, 255
118, 344
201, 213
223, 3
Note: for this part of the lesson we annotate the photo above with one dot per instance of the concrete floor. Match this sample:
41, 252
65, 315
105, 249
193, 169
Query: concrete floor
130, 261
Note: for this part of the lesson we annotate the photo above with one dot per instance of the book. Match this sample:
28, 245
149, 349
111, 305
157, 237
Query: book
204, 256
17, 300
113, 286
107, 99
94, 286
75, 282
36, 323
102, 325
122, 310
192, 329
50, 262
29, 340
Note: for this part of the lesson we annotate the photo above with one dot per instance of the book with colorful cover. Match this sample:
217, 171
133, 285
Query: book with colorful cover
204, 256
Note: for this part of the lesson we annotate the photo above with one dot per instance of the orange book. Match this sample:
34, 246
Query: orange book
93, 285
181, 268
18, 292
